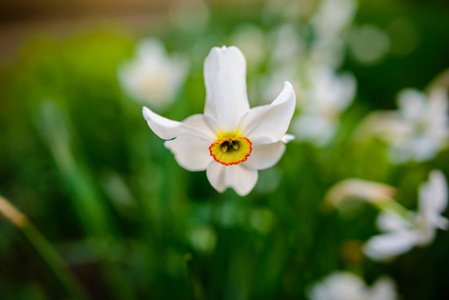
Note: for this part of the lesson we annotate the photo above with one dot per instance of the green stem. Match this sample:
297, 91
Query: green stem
195, 281
44, 248
92, 210
391, 206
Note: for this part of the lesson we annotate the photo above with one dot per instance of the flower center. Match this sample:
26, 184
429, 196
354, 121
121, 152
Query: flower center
230, 150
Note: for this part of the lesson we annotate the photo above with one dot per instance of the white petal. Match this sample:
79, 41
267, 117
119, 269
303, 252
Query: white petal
391, 222
268, 123
441, 222
422, 148
151, 51
225, 80
412, 103
388, 245
338, 286
166, 129
242, 180
264, 156
383, 289
287, 138
191, 152
433, 199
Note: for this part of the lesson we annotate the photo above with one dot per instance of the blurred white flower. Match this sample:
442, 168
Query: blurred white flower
153, 77
329, 23
369, 191
288, 46
286, 60
417, 131
333, 17
347, 286
251, 40
230, 141
427, 120
325, 98
401, 233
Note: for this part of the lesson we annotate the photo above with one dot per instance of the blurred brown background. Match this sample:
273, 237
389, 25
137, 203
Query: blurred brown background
20, 19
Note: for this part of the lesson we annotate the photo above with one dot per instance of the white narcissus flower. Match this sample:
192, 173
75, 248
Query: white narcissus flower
347, 286
417, 229
426, 118
230, 141
417, 131
153, 77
